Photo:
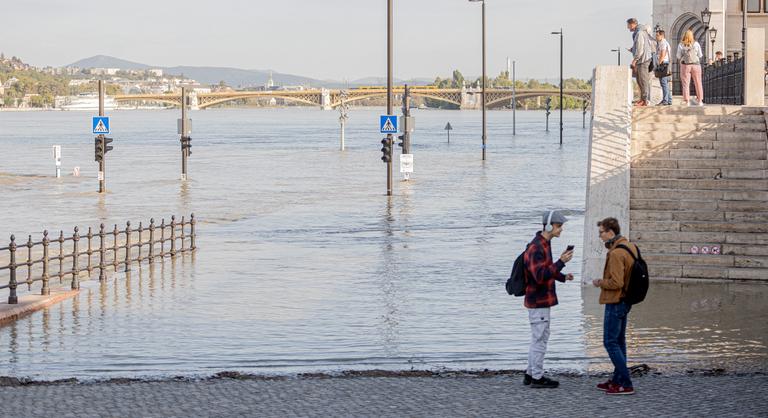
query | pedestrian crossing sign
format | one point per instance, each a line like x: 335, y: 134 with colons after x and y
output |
x: 100, y: 125
x: 388, y: 124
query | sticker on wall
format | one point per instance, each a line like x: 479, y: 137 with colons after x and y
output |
x: 694, y: 250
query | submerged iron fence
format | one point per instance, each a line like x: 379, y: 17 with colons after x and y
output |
x: 108, y: 249
x: 724, y: 82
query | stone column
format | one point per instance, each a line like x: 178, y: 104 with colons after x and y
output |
x: 609, y: 159
x: 754, y: 68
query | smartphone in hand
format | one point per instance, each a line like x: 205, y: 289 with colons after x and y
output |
x: 570, y: 248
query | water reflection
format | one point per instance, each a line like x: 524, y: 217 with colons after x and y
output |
x: 689, y: 326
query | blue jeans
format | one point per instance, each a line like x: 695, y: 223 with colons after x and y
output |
x: 614, y: 340
x: 666, y: 92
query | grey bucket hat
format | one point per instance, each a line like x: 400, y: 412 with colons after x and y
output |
x: 553, y: 217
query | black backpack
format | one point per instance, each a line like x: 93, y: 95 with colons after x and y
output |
x: 638, y: 279
x: 516, y: 281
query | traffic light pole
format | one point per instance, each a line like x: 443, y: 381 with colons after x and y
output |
x: 184, y: 138
x: 100, y: 139
x: 406, y: 115
x: 389, y: 92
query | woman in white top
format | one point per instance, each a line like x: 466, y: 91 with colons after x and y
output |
x: 689, y: 56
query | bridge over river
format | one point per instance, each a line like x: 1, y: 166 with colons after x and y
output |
x: 329, y: 99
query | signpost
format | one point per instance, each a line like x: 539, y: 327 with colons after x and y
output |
x: 406, y: 165
x: 448, y: 129
x: 185, y: 129
x: 57, y: 159
x: 388, y: 124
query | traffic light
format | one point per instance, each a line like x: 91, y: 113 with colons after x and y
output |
x: 386, y: 150
x: 401, y: 144
x: 98, y: 149
x: 549, y: 104
x: 107, y: 148
x: 186, y: 145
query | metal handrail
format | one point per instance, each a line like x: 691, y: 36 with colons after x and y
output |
x: 107, y: 252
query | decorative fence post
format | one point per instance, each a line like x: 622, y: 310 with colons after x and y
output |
x: 29, y: 263
x: 75, y: 260
x: 173, y: 235
x: 46, y: 290
x: 102, y: 276
x: 61, y: 256
x: 12, y: 298
x: 128, y: 246
x: 152, y: 240
x: 182, y: 234
x: 140, y: 243
x: 162, y: 238
x: 114, y: 247
x: 192, y: 232
x: 90, y: 250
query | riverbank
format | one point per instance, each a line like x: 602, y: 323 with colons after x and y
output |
x: 360, y: 395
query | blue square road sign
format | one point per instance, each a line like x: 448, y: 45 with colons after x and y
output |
x: 100, y: 125
x: 388, y: 124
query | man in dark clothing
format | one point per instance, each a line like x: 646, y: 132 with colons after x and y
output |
x: 540, y: 295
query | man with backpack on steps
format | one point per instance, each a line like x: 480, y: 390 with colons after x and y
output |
x: 540, y: 296
x: 624, y: 283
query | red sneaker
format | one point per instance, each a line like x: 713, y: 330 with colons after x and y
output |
x: 619, y: 390
x: 604, y: 386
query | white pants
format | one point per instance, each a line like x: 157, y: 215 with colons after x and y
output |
x: 539, y: 319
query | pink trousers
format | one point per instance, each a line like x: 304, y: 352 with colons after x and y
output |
x: 686, y: 71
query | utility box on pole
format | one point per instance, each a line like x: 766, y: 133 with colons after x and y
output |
x: 57, y: 159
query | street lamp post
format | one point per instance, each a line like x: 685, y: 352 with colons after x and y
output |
x: 618, y: 54
x: 712, y: 37
x: 743, y: 28
x: 706, y: 17
x: 514, y: 101
x: 561, y: 83
x: 389, y: 92
x: 484, y: 78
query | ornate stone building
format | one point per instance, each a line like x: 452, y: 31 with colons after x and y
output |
x: 677, y: 16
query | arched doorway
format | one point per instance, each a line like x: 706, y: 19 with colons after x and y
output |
x: 681, y: 25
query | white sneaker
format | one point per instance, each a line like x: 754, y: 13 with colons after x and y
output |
x: 701, y: 103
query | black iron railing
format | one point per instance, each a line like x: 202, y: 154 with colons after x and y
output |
x: 724, y: 82
x: 112, y: 249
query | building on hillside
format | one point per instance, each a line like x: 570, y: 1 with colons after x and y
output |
x: 677, y: 16
x: 155, y: 72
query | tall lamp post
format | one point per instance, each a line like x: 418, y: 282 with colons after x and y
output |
x: 618, y: 53
x: 712, y: 37
x: 484, y: 77
x: 743, y: 27
x: 561, y: 83
x: 514, y: 101
x: 706, y: 17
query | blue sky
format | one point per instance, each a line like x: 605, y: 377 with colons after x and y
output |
x: 329, y: 39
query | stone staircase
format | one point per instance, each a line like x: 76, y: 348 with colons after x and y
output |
x: 699, y: 191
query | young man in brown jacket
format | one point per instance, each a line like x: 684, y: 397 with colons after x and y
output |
x: 613, y: 286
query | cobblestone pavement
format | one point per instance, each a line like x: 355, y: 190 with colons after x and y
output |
x: 668, y: 396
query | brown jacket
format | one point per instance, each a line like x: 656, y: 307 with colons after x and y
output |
x: 618, y: 268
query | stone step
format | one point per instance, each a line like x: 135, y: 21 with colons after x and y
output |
x: 699, y: 163
x: 692, y: 154
x: 702, y: 216
x: 697, y: 226
x: 694, y: 184
x: 692, y: 127
x: 693, y: 194
x: 697, y: 173
x: 721, y: 238
x: 698, y: 205
x: 706, y: 272
x: 695, y: 118
x: 695, y: 110
x: 641, y: 145
x: 683, y: 248
x: 699, y: 135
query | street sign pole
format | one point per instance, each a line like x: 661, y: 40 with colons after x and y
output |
x: 514, y: 101
x: 102, y: 163
x: 389, y: 91
x: 183, y: 133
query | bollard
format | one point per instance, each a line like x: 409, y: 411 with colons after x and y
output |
x: 12, y: 298
x: 192, y: 232
x: 173, y: 235
x: 182, y: 234
x: 102, y: 276
x: 75, y: 259
x: 46, y: 290
x: 152, y: 240
x: 29, y: 263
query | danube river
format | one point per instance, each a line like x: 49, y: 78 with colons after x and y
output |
x: 305, y: 265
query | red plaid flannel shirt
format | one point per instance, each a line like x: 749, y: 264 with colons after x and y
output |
x: 540, y: 274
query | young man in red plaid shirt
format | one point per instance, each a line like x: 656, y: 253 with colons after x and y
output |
x: 540, y: 295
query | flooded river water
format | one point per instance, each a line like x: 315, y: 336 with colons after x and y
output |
x: 305, y: 265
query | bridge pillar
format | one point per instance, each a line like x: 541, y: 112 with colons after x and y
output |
x: 194, y: 104
x: 325, y: 99
x: 471, y: 98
